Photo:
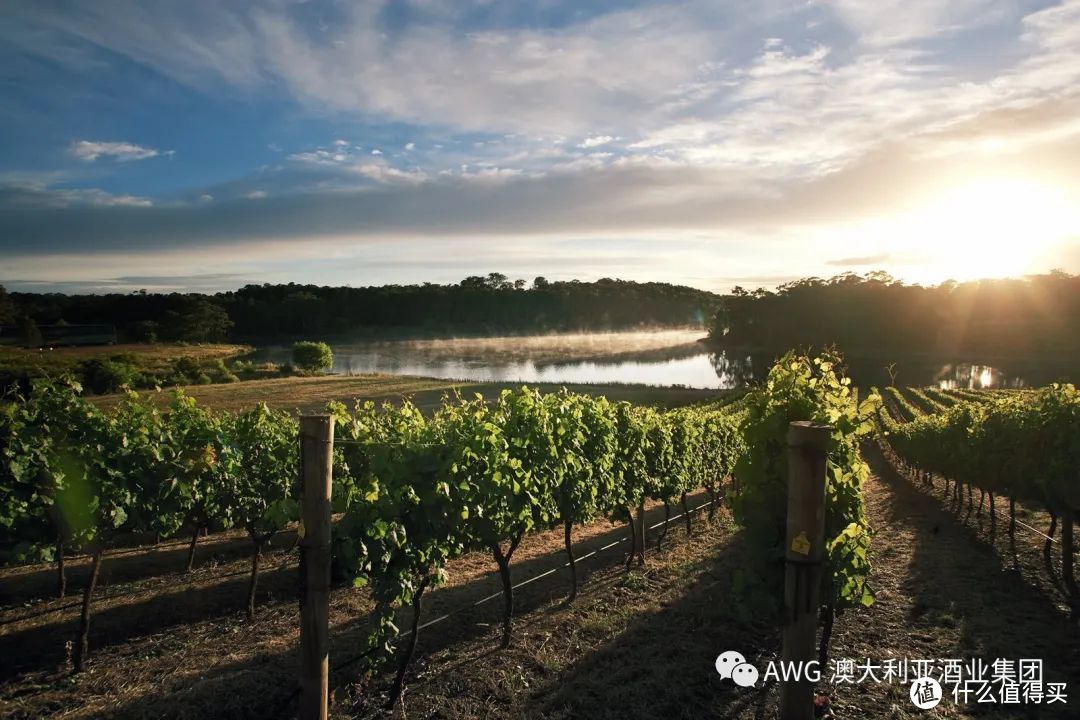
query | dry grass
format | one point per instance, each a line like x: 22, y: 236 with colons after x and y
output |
x: 149, y: 356
x: 307, y: 394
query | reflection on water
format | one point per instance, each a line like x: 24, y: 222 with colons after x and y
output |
x: 651, y: 358
x: 975, y: 377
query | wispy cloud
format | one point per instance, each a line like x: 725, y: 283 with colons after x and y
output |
x: 90, y: 151
x: 35, y: 196
x: 859, y: 260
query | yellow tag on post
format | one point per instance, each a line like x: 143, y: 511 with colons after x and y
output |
x: 800, y: 544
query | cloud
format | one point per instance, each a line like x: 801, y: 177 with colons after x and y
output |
x: 36, y: 196
x: 623, y: 197
x: 338, y: 168
x: 321, y: 156
x: 890, y: 22
x: 755, y: 120
x: 557, y: 78
x: 89, y: 151
x: 595, y: 141
x: 878, y: 259
x: 196, y: 282
x: 742, y: 83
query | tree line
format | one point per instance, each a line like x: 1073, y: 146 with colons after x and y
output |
x: 1032, y: 316
x: 478, y: 304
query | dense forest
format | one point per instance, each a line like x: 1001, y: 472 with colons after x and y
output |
x: 477, y: 305
x: 1035, y: 316
x: 874, y: 313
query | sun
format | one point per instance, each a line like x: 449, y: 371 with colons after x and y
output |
x: 996, y: 227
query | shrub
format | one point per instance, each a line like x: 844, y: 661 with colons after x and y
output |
x: 106, y: 376
x: 222, y: 373
x: 143, y: 331
x: 312, y: 356
x: 185, y: 370
x: 125, y: 357
x: 244, y: 368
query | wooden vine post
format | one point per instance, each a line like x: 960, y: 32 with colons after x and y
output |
x: 316, y: 461
x: 805, y: 548
x: 639, y: 531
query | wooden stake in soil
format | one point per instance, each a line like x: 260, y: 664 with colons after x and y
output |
x: 686, y: 516
x: 82, y: 646
x: 61, y: 578
x: 316, y: 460
x: 639, y: 528
x: 191, y: 549
x: 1068, y: 576
x: 567, y: 528
x: 805, y: 544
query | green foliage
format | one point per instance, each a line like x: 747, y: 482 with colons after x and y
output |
x: 30, y: 333
x: 584, y: 475
x: 905, y: 410
x: 417, y: 491
x: 197, y: 320
x: 312, y: 356
x: 799, y: 388
x: 67, y: 468
x: 1025, y: 445
x: 109, y: 375
x: 491, y: 304
x: 404, y: 523
x: 260, y: 485
x: 73, y: 472
x: 8, y: 311
x: 186, y: 369
x: 223, y: 374
x: 875, y: 312
x: 244, y: 368
x: 477, y: 475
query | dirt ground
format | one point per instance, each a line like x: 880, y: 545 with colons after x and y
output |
x: 643, y: 645
x: 949, y: 584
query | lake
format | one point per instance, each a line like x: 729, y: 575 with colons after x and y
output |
x: 661, y: 358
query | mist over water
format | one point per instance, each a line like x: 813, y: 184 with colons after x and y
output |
x: 660, y: 358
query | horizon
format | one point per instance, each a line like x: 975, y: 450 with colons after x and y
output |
x: 203, y: 148
x: 529, y: 284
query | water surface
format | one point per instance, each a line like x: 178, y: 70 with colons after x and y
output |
x: 662, y: 358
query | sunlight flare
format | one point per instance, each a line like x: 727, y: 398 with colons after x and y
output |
x: 989, y: 228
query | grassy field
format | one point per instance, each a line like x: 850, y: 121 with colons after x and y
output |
x: 152, y: 357
x: 308, y: 394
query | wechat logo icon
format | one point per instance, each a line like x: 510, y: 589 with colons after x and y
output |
x: 732, y: 665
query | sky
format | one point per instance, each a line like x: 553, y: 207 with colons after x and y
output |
x: 200, y: 146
